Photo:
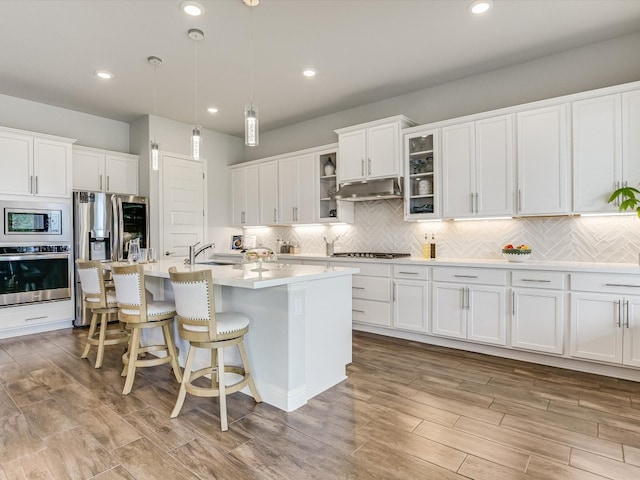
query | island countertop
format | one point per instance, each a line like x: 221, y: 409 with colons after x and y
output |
x: 246, y: 276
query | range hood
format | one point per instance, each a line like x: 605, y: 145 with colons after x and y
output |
x: 370, y: 190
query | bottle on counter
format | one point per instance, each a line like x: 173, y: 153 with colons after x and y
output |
x: 432, y: 247
x: 278, y: 245
x: 426, y: 247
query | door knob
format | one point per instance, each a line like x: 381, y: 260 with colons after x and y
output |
x: 167, y: 253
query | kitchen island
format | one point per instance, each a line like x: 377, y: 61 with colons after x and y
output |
x: 299, y: 341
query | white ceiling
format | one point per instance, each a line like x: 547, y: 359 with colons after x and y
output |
x: 364, y: 51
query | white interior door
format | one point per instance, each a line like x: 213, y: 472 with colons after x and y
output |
x: 183, y: 206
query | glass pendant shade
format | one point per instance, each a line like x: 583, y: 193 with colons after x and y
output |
x: 251, y: 125
x: 154, y: 155
x: 196, y: 141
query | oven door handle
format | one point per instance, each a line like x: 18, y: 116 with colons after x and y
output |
x: 33, y: 256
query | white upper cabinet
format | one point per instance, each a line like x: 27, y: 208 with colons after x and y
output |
x: 606, y: 149
x: 371, y: 150
x: 104, y: 171
x: 297, y: 189
x: 268, y: 193
x: 34, y: 165
x: 244, y: 197
x: 477, y: 165
x: 543, y: 161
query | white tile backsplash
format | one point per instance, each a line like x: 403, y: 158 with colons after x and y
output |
x: 380, y: 226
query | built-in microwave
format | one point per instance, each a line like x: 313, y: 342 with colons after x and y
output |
x: 35, y: 222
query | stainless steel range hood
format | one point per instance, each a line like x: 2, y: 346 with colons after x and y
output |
x: 370, y: 190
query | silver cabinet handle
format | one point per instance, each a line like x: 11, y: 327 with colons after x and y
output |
x: 518, y: 206
x: 535, y: 280
x: 619, y: 313
x: 621, y: 285
x: 100, y: 182
x: 362, y: 167
x: 463, y: 307
x: 466, y: 276
x: 36, y: 189
x: 513, y: 303
x: 107, y: 183
x: 357, y: 311
x: 369, y: 169
x: 243, y: 216
x: 471, y: 201
x: 626, y: 307
x: 31, y: 184
x: 409, y: 273
x: 468, y: 299
x: 357, y: 288
x: 477, y: 202
x: 275, y: 215
x: 31, y: 319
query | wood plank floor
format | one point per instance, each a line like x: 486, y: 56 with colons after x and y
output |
x: 407, y: 411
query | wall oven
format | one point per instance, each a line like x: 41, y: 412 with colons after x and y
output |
x: 36, y: 264
x: 34, y: 273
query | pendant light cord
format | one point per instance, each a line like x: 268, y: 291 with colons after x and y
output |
x: 195, y: 81
x: 251, y: 54
x: 155, y: 69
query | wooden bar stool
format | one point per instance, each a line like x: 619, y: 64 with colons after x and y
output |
x: 202, y: 327
x: 139, y: 314
x: 103, y: 305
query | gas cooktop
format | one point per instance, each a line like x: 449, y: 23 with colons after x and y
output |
x: 371, y: 255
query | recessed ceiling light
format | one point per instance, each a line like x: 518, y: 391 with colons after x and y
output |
x: 212, y: 110
x: 194, y: 9
x: 480, y: 6
x: 104, y: 74
x: 309, y: 72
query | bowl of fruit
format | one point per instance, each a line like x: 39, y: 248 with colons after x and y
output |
x: 518, y: 253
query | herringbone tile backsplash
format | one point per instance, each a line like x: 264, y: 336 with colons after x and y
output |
x: 380, y: 226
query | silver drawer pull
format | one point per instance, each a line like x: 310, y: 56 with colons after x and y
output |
x: 621, y: 285
x: 35, y: 318
x: 535, y: 280
x: 408, y: 273
x: 466, y: 276
x: 358, y: 288
x: 358, y: 311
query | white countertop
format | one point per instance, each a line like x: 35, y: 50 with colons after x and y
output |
x: 244, y: 276
x: 587, y: 267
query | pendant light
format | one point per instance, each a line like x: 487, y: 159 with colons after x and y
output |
x: 155, y: 62
x: 251, y: 132
x: 196, y: 140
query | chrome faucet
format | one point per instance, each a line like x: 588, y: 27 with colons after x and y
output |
x: 194, y: 252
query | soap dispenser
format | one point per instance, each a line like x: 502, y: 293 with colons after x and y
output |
x: 432, y: 247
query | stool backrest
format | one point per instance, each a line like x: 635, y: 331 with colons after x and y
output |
x: 193, y: 294
x: 92, y: 283
x: 130, y: 292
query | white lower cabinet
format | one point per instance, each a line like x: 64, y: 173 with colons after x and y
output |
x: 605, y: 318
x: 470, y: 304
x: 538, y: 310
x: 411, y: 298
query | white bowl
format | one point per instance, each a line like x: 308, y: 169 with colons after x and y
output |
x: 516, y: 257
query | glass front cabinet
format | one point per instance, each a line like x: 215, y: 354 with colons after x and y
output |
x: 421, y: 174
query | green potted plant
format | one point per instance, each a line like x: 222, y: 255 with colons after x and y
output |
x: 629, y: 198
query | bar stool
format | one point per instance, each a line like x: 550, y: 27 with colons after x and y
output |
x: 102, y: 303
x: 138, y: 314
x: 202, y: 327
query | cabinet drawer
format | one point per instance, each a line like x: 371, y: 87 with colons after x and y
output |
x: 470, y: 275
x: 608, y: 283
x: 411, y: 272
x: 369, y: 269
x: 370, y: 311
x: 36, y: 314
x: 538, y: 279
x: 371, y: 288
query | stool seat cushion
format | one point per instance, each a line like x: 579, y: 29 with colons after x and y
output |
x: 226, y: 322
x: 153, y: 308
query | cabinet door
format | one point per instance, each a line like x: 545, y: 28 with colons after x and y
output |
x: 121, y: 174
x: 352, y: 146
x: 458, y: 175
x: 486, y: 320
x: 288, y: 189
x: 238, y: 196
x: 543, y: 182
x: 252, y: 203
x: 383, y: 151
x: 596, y: 332
x: 307, y: 186
x: 411, y: 305
x: 537, y: 320
x: 449, y: 317
x: 597, y: 153
x: 52, y: 168
x: 631, y: 138
x: 268, y: 193
x: 494, y: 166
x: 632, y: 331
x: 16, y: 163
x: 88, y: 168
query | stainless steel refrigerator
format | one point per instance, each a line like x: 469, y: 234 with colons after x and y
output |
x: 103, y: 226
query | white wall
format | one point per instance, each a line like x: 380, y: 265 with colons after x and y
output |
x: 89, y: 130
x: 599, y: 65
